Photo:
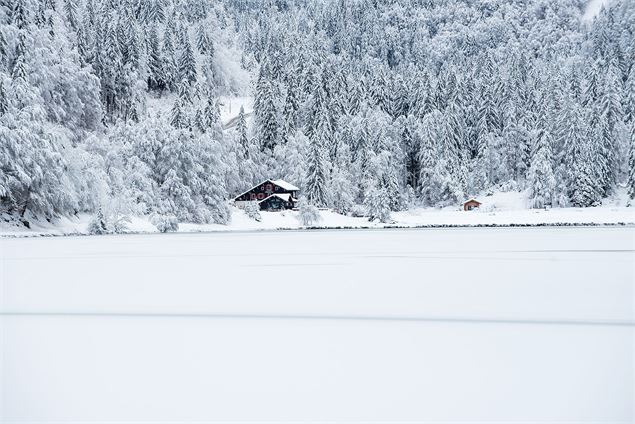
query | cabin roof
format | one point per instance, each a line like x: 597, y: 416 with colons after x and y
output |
x: 281, y: 183
x: 285, y: 185
x: 284, y: 196
x: 472, y: 200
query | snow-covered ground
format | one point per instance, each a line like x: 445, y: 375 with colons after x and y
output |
x: 593, y: 8
x: 229, y: 106
x: 418, y: 325
x: 501, y: 208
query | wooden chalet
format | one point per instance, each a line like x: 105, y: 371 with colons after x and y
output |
x: 270, y: 195
x: 471, y: 204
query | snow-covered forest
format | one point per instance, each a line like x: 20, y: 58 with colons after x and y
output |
x: 112, y: 107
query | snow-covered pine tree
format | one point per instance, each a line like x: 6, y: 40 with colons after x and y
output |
x: 4, y: 101
x: 98, y: 225
x: 611, y: 114
x: 180, y: 117
x: 584, y: 189
x: 3, y: 53
x: 168, y: 56
x: 411, y: 148
x: 518, y: 151
x: 629, y: 98
x: 341, y: 185
x: 19, y: 14
x: 252, y: 210
x: 155, y: 11
x: 156, y: 75
x: 290, y: 110
x: 377, y: 199
x: 309, y: 214
x: 243, y: 138
x: 631, y: 164
x: 427, y: 135
x: 481, y: 175
x: 540, y: 175
x: 211, y: 118
x: 71, y: 13
x: 266, y: 112
x: 316, y: 177
x: 19, y: 72
x: 187, y: 63
x: 204, y: 42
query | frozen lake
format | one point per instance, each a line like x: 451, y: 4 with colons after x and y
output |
x: 462, y: 325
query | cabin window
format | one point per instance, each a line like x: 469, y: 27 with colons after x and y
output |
x: 253, y: 196
x: 269, y: 187
x: 261, y: 196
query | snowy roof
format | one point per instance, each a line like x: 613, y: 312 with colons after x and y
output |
x: 472, y: 200
x: 285, y: 196
x: 285, y: 185
x: 281, y: 183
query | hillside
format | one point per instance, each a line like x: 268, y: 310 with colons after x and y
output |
x: 132, y: 108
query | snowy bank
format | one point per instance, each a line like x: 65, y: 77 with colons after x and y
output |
x: 499, y: 209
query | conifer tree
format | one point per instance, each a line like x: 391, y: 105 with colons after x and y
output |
x: 49, y: 4
x: 212, y: 119
x: 204, y: 42
x: 481, y: 174
x: 611, y: 114
x: 3, y: 52
x: 291, y: 110
x: 409, y: 145
x: 584, y: 191
x: 319, y: 120
x: 243, y: 139
x: 155, y: 11
x: 266, y: 116
x: 428, y: 134
x: 39, y: 18
x: 98, y: 224
x: 71, y: 14
x: 342, y: 184
x: 168, y: 56
x: 592, y: 88
x: 19, y: 14
x: 156, y: 77
x: 4, y: 102
x: 315, y: 180
x: 180, y: 117
x: 629, y: 86
x: 541, y: 178
x: 631, y: 165
x: 377, y: 199
x: 187, y: 62
x: 82, y: 46
x: 19, y: 72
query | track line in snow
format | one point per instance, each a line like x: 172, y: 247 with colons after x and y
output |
x: 426, y: 254
x: 300, y: 317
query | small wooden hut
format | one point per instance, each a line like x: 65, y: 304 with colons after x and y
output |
x: 471, y: 204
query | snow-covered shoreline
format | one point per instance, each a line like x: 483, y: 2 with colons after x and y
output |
x: 288, y: 221
x: 502, y: 209
x: 34, y: 234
